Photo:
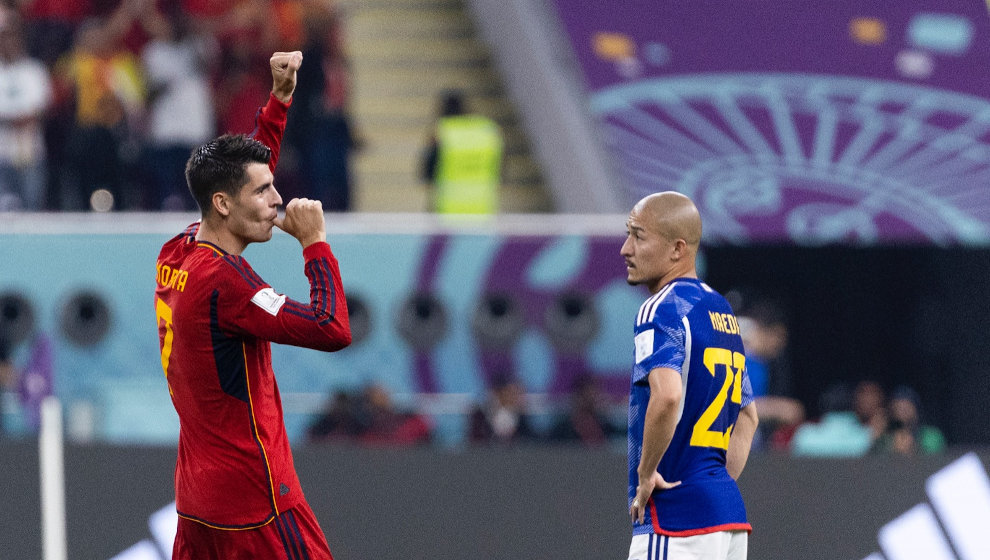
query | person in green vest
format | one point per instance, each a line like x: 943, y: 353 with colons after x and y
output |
x: 463, y: 160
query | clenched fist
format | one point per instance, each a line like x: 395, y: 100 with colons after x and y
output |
x: 304, y: 221
x: 284, y: 68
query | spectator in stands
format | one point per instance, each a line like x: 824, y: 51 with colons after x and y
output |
x: 178, y: 62
x: 905, y: 433
x: 322, y: 135
x: 870, y: 406
x: 339, y: 421
x: 838, y: 433
x: 463, y: 160
x: 503, y: 417
x: 104, y: 82
x: 586, y: 421
x: 763, y: 326
x: 246, y: 37
x: 8, y: 376
x: 384, y: 424
x: 370, y: 418
x: 25, y: 94
x: 51, y: 25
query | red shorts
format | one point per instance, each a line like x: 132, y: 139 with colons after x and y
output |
x: 293, y: 535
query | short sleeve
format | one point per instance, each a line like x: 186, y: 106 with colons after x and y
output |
x: 747, y: 389
x: 660, y: 343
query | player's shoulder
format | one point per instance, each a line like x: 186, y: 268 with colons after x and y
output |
x: 674, y: 301
x: 177, y: 246
x: 207, y: 260
x: 235, y: 272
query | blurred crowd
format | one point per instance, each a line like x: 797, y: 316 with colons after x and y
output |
x: 852, y: 418
x: 101, y: 101
x: 503, y: 417
x: 855, y: 418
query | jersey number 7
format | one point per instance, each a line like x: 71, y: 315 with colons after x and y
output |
x: 164, y: 314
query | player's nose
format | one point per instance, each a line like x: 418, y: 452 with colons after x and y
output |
x: 626, y: 249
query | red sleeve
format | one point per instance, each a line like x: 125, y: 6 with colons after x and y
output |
x: 255, y: 309
x: 269, y: 126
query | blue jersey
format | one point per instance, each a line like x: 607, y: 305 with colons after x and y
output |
x: 690, y: 328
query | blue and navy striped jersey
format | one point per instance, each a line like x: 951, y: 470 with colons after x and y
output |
x: 690, y: 328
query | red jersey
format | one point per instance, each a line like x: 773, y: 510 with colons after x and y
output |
x: 216, y: 319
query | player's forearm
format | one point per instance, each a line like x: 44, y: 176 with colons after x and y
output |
x: 320, y: 324
x: 658, y: 429
x: 327, y: 298
x: 741, y: 441
x: 270, y: 126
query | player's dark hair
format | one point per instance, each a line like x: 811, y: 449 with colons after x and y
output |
x: 220, y: 166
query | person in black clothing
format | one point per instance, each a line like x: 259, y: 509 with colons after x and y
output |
x: 585, y: 422
x: 321, y: 133
x: 503, y: 417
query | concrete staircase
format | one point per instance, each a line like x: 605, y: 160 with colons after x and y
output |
x: 404, y: 54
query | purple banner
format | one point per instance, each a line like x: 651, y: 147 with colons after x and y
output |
x: 830, y: 122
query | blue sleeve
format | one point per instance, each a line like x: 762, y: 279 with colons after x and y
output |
x: 747, y: 389
x: 660, y: 343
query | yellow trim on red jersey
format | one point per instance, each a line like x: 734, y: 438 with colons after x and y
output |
x: 246, y: 528
x: 210, y: 247
x: 254, y: 428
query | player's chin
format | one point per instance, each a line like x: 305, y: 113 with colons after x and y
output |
x: 264, y: 234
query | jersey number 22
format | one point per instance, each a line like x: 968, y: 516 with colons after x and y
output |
x: 735, y: 363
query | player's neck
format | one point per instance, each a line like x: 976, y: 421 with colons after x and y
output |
x: 215, y: 233
x: 687, y: 272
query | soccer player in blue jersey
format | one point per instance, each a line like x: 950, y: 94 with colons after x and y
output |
x: 691, y: 411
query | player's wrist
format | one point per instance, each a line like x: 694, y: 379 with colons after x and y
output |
x: 311, y: 240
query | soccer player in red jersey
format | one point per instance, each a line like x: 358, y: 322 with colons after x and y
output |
x: 237, y: 493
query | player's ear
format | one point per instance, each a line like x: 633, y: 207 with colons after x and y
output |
x: 221, y: 203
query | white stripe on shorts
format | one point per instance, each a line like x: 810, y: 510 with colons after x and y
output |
x: 723, y: 545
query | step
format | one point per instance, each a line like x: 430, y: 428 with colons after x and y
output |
x: 417, y: 198
x: 406, y: 161
x: 378, y: 82
x: 379, y: 23
x: 520, y: 168
x: 382, y: 126
x: 403, y: 166
x: 401, y: 198
x: 423, y: 109
x: 418, y: 51
x: 404, y: 55
x: 518, y: 199
x: 351, y: 6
